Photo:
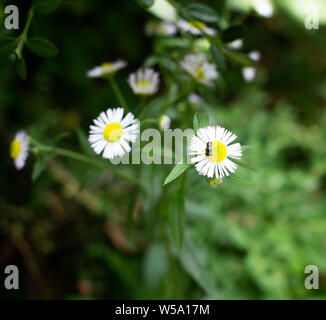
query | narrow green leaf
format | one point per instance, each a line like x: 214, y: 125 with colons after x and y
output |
x: 42, y: 47
x: 196, y: 123
x: 145, y: 3
x: 7, y: 48
x: 238, y: 58
x: 176, y: 218
x: 202, y: 12
x: 21, y: 67
x: 178, y: 169
x: 46, y: 6
x: 40, y: 165
x: 218, y: 58
x: 233, y: 33
x: 243, y: 165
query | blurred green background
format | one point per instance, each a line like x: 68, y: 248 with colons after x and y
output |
x: 79, y: 233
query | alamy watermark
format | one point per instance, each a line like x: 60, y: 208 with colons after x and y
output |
x: 12, y: 277
x: 312, y: 280
x: 312, y: 18
x: 12, y: 18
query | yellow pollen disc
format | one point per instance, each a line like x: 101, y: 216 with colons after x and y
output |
x: 197, y: 24
x: 200, y: 73
x: 143, y: 83
x: 218, y: 152
x: 106, y: 66
x: 15, y: 149
x: 113, y: 132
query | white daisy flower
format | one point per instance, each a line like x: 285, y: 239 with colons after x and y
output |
x: 236, y: 44
x: 159, y: 28
x: 249, y: 73
x: 198, y: 67
x: 211, y: 150
x: 195, y: 27
x: 263, y: 8
x: 112, y: 133
x: 144, y: 81
x: 106, y: 68
x: 164, y: 122
x: 19, y: 149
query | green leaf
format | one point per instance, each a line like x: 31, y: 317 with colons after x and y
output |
x: 40, y: 165
x: 46, y: 6
x: 218, y: 58
x: 176, y: 218
x: 232, y: 33
x: 202, y: 12
x: 42, y: 47
x: 21, y: 67
x: 145, y: 3
x: 196, y: 123
x: 7, y: 48
x: 178, y: 169
x: 194, y: 262
x: 238, y: 58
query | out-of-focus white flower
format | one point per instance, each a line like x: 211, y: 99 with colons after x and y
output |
x: 211, y: 151
x: 164, y: 122
x: 195, y: 27
x: 106, y: 68
x: 19, y: 149
x: 249, y: 73
x: 263, y: 8
x: 144, y: 81
x: 195, y: 98
x: 112, y: 133
x: 159, y: 28
x: 199, y: 68
x: 236, y: 44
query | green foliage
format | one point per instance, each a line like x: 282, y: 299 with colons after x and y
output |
x: 202, y: 12
x: 42, y: 47
x: 46, y: 6
x: 92, y: 233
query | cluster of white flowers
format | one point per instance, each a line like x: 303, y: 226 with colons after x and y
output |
x: 199, y: 68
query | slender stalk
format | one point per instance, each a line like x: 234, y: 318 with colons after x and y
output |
x: 118, y: 93
x: 23, y: 37
x: 82, y: 158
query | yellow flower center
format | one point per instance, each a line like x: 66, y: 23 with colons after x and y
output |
x: 113, y: 132
x: 200, y: 73
x: 143, y: 83
x: 218, y: 152
x: 106, y: 66
x: 15, y: 149
x: 197, y: 24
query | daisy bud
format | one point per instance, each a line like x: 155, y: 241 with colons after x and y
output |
x: 214, y: 182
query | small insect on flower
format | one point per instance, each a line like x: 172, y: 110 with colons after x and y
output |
x: 112, y: 133
x: 249, y: 73
x: 199, y: 68
x: 144, y: 81
x: 211, y: 149
x: 161, y: 29
x: 106, y: 68
x: 19, y: 149
x: 195, y: 27
x: 208, y: 150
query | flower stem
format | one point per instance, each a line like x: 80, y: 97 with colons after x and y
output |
x: 118, y: 93
x: 82, y: 158
x: 23, y: 37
